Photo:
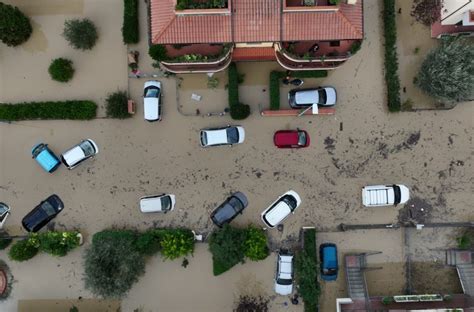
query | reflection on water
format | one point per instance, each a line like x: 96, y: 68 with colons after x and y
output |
x: 37, y: 41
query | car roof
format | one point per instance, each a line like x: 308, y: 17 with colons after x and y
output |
x: 307, y: 96
x: 277, y: 213
x: 150, y: 110
x: 151, y: 204
x: 47, y: 159
x: 74, y: 155
x: 224, y: 212
x: 330, y: 256
x: 216, y: 136
x: 283, y: 138
x: 285, y: 266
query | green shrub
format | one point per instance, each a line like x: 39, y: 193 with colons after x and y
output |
x: 391, y: 59
x: 5, y: 240
x: 130, y: 29
x: 255, y: 244
x: 23, y: 250
x: 81, y: 34
x: 149, y: 243
x: 238, y: 111
x: 15, y: 27
x: 158, y: 52
x: 226, y: 246
x: 113, y: 263
x: 176, y: 243
x: 387, y: 300
x: 61, y: 70
x: 196, y: 4
x: 57, y: 243
x: 117, y: 105
x: 306, y: 271
x: 355, y: 47
x: 75, y: 110
x: 466, y: 240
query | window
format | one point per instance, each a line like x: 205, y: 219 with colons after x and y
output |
x: 334, y: 43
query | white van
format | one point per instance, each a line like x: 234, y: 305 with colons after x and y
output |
x: 385, y: 195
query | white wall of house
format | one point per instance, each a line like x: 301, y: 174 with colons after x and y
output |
x: 454, y: 11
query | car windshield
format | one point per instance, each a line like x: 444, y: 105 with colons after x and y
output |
x: 322, y: 96
x: 48, y: 209
x: 232, y: 135
x: 152, y: 92
x: 203, y: 138
x: 290, y: 201
x: 284, y: 281
x: 87, y: 148
x: 396, y: 191
x: 234, y: 202
x: 301, y: 138
x: 329, y: 271
x: 165, y: 203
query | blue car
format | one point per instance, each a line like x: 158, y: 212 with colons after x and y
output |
x: 45, y: 157
x: 328, y: 259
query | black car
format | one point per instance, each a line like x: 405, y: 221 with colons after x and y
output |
x: 229, y: 209
x: 47, y: 210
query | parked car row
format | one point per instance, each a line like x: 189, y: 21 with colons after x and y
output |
x: 71, y: 158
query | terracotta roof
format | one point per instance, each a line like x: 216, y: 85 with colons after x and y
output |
x: 253, y: 54
x: 253, y: 21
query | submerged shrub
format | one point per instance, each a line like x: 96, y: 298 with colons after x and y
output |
x: 15, y: 27
x: 61, y: 70
x: 80, y: 33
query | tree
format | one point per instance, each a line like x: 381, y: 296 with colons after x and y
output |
x: 81, y: 34
x: 15, y: 27
x: 112, y: 263
x: 447, y: 73
x: 226, y: 246
x: 426, y: 11
x: 61, y: 70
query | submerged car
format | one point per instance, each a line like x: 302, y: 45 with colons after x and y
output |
x: 385, y: 195
x: 284, y: 274
x: 291, y: 139
x: 46, y: 211
x: 77, y: 154
x: 302, y: 98
x: 152, y: 100
x: 45, y: 157
x: 279, y: 210
x: 157, y: 203
x: 328, y: 260
x: 228, y: 135
x: 229, y: 209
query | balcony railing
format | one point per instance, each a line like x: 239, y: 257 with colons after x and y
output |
x: 294, y: 62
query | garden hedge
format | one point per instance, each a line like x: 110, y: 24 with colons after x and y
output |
x: 74, y: 110
x: 275, y: 77
x: 391, y: 59
x: 238, y: 110
x: 130, y: 29
x: 306, y: 270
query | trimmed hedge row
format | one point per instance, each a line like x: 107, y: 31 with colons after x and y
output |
x: 238, y: 110
x: 391, y: 59
x: 130, y: 32
x: 275, y: 77
x: 307, y: 271
x: 75, y: 110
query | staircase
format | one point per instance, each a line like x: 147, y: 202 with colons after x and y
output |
x: 356, y: 285
x: 466, y: 277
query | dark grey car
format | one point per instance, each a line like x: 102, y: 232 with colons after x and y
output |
x: 229, y: 209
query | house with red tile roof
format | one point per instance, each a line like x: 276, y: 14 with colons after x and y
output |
x: 298, y: 34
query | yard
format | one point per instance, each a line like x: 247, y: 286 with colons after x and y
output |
x: 361, y: 144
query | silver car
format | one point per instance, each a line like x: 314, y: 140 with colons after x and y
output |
x: 78, y: 153
x: 228, y: 135
x: 323, y: 96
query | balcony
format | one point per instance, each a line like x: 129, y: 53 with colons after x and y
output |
x: 197, y: 58
x: 308, y: 5
x: 192, y: 7
x: 313, y: 55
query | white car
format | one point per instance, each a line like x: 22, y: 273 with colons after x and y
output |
x: 77, y: 154
x: 284, y: 274
x: 385, y: 195
x: 285, y: 205
x: 152, y: 100
x: 323, y: 96
x: 157, y: 203
x: 228, y: 135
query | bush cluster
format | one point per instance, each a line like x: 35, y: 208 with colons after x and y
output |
x: 275, y: 77
x: 15, y: 27
x: 61, y: 70
x: 54, y: 243
x: 391, y: 59
x: 116, y: 258
x: 130, y: 29
x: 75, y: 110
x: 117, y: 105
x: 238, y: 111
x: 158, y: 53
x: 306, y: 271
x: 230, y: 246
x: 80, y: 33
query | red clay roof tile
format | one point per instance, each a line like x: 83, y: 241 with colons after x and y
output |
x: 253, y: 54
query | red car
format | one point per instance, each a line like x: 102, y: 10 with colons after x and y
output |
x: 291, y: 139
